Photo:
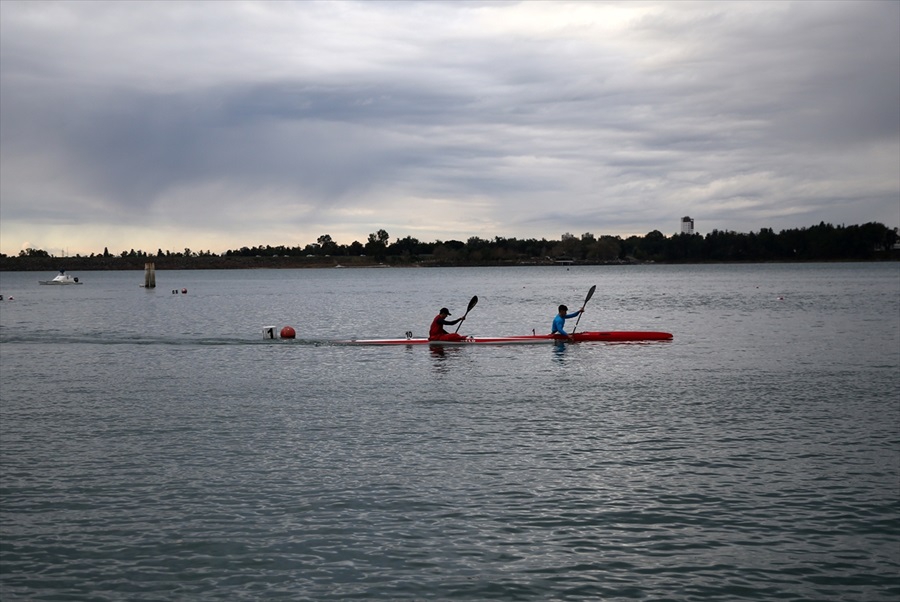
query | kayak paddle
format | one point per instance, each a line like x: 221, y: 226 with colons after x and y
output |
x: 472, y: 303
x: 586, y: 299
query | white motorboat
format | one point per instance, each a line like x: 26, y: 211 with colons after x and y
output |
x: 61, y: 278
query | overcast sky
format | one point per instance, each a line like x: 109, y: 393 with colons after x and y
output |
x: 148, y: 125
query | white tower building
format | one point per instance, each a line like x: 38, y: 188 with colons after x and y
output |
x: 687, y: 225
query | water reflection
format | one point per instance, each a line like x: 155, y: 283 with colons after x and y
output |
x: 559, y: 350
x: 442, y: 355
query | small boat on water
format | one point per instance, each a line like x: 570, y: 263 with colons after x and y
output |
x: 610, y: 336
x: 578, y: 337
x: 61, y: 278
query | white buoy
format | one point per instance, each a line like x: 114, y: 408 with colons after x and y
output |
x: 269, y: 332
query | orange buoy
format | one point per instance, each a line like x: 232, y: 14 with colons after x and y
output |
x: 184, y: 291
x: 288, y: 333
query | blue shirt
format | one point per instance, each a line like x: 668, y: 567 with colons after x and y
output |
x: 560, y: 321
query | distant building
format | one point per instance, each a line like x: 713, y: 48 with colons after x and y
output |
x: 687, y: 225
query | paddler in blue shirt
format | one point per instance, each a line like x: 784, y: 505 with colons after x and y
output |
x: 559, y: 321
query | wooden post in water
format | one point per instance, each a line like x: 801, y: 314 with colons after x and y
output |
x: 149, y: 275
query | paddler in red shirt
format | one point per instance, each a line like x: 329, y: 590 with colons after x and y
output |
x: 437, y: 332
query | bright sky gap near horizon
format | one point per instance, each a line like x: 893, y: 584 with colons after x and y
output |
x: 217, y: 125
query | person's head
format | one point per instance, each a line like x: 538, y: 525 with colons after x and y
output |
x: 562, y: 310
x: 444, y: 311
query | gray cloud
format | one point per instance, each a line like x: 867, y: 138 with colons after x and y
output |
x: 221, y: 123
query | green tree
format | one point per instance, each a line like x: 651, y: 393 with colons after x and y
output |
x: 377, y: 244
x: 30, y: 252
x: 328, y: 246
x: 653, y: 245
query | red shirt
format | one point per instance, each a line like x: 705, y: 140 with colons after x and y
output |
x: 437, y: 327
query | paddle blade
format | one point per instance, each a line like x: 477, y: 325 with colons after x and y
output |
x: 586, y: 299
x: 472, y: 303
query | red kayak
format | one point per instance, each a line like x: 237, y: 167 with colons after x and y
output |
x: 579, y: 337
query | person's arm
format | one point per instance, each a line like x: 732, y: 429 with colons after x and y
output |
x: 452, y: 322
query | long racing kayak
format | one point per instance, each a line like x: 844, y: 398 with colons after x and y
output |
x: 578, y: 337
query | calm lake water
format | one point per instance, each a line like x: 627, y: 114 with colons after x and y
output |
x: 154, y: 446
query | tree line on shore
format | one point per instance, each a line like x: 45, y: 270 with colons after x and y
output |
x: 823, y: 242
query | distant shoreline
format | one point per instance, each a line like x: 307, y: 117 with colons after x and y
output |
x: 867, y: 242
x: 54, y: 264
